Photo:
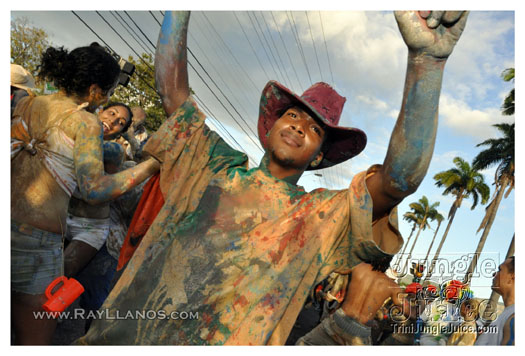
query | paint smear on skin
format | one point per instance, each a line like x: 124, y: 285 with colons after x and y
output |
x: 166, y: 29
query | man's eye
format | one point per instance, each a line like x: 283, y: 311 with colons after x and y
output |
x: 317, y: 130
x: 292, y: 115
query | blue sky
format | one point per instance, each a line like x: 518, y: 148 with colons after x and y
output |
x: 363, y: 56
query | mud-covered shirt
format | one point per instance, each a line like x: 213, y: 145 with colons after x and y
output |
x: 234, y: 252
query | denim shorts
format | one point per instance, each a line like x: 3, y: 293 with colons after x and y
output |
x: 36, y: 258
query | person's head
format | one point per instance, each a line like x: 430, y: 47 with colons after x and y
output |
x: 139, y: 116
x: 470, y: 309
x: 21, y: 78
x: 296, y: 139
x: 301, y: 132
x: 116, y: 118
x: 503, y: 281
x: 89, y: 74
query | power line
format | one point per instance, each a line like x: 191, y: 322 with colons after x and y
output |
x: 134, y: 35
x: 262, y: 44
x: 96, y: 34
x: 205, y: 83
x: 326, y: 48
x: 276, y: 50
x: 107, y: 45
x: 123, y: 40
x: 313, y: 43
x: 249, y: 42
x: 269, y: 47
x: 217, y: 72
x: 230, y: 51
x: 216, y: 47
x: 211, y: 79
x: 286, y: 50
x: 299, y: 45
x: 140, y: 29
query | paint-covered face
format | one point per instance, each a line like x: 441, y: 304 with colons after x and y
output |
x: 503, y: 278
x: 295, y: 140
x: 113, y: 119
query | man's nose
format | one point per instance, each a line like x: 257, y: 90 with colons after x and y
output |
x: 298, y: 127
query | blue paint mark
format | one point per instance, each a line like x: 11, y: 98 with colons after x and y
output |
x: 166, y: 29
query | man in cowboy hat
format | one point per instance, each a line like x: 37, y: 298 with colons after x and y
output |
x: 22, y: 83
x: 233, y: 253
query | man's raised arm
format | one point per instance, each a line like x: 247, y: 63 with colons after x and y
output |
x: 171, y: 65
x: 430, y: 37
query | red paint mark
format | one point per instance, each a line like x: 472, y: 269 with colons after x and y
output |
x: 258, y: 233
x: 207, y: 318
x: 269, y: 300
x: 238, y: 281
x: 242, y: 301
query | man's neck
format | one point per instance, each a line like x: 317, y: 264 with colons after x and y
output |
x: 288, y: 175
x: 508, y: 299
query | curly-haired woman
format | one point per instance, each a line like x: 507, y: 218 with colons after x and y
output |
x: 56, y: 146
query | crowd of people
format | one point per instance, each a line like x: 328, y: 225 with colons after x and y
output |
x: 174, y: 221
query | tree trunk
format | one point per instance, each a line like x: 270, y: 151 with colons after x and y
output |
x: 438, y: 251
x: 432, y: 243
x: 415, y: 240
x: 494, y: 297
x: 490, y: 219
x: 405, y: 247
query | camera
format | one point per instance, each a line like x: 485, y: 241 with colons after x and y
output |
x: 126, y: 68
x: 126, y: 71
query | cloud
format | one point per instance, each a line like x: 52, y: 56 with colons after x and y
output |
x: 477, y: 123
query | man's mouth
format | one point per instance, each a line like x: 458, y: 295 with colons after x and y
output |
x: 105, y: 126
x: 291, y: 139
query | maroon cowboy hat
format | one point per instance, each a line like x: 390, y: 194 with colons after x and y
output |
x: 323, y: 103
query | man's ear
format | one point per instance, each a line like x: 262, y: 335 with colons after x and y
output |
x: 317, y: 160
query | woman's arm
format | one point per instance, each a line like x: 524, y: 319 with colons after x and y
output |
x: 94, y: 186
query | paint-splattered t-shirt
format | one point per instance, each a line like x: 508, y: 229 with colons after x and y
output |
x: 234, y: 252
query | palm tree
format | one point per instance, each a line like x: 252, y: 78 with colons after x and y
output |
x: 428, y: 211
x: 500, y: 152
x: 508, y: 103
x: 463, y: 182
x: 439, y: 218
x: 415, y: 219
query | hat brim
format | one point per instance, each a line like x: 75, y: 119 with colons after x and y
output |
x: 20, y: 86
x: 344, y: 142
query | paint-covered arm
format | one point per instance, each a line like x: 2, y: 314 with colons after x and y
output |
x: 94, y: 186
x: 171, y: 64
x: 430, y: 38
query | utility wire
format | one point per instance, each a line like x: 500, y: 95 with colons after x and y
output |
x: 262, y: 44
x: 230, y: 51
x: 205, y: 83
x: 269, y: 47
x: 251, y: 46
x: 326, y: 48
x: 299, y: 45
x: 107, y: 45
x: 276, y: 50
x: 216, y: 97
x: 218, y: 73
x: 96, y: 34
x: 123, y: 40
x: 286, y: 50
x: 128, y: 29
x: 140, y: 29
x: 313, y: 43
x: 215, y: 45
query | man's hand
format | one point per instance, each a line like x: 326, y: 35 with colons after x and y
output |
x: 367, y: 291
x: 432, y: 33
